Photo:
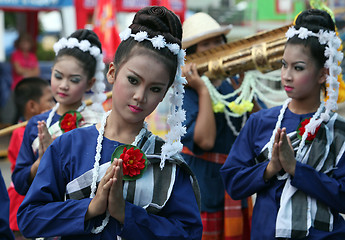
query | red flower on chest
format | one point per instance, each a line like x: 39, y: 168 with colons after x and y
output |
x: 134, y: 161
x: 70, y: 120
x: 301, y: 130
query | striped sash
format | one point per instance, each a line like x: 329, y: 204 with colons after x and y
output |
x: 299, y: 212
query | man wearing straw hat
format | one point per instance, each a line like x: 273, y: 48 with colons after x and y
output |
x: 211, y: 133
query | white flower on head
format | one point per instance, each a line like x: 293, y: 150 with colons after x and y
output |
x: 141, y: 36
x: 84, y: 45
x: 323, y: 37
x: 181, y: 57
x: 336, y: 42
x: 158, y: 42
x: 339, y: 56
x: 328, y: 63
x: 100, y: 64
x: 72, y: 42
x: 329, y: 51
x: 59, y: 45
x: 174, y: 48
x: 125, y: 34
x: 303, y: 33
x: 95, y: 51
x: 290, y: 32
x: 335, y: 70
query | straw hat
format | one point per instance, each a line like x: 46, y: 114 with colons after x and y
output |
x: 199, y: 27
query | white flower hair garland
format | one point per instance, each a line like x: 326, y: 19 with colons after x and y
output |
x: 177, y: 115
x: 332, y: 42
x: 98, y: 96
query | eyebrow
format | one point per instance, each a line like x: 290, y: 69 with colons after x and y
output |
x: 283, y: 60
x: 72, y: 75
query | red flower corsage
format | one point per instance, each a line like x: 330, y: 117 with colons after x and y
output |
x: 70, y: 120
x: 134, y: 161
x: 301, y: 130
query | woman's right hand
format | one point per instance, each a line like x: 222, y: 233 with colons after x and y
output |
x: 99, y: 203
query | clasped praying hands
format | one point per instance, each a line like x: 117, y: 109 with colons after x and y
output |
x: 283, y: 156
x: 109, y: 195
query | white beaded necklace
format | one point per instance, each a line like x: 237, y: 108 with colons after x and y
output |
x: 95, y: 170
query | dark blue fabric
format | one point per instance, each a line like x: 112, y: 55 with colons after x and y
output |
x: 243, y: 177
x: 5, y: 231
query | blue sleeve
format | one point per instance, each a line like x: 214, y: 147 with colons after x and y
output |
x: 25, y: 159
x: 44, y: 211
x: 5, y: 231
x: 329, y: 190
x: 241, y: 175
x: 179, y: 219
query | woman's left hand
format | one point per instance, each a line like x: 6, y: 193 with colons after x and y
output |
x: 116, y: 203
x: 286, y: 153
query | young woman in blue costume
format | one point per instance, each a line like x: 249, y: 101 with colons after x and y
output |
x: 292, y: 156
x: 211, y: 134
x: 79, y: 194
x: 78, y: 68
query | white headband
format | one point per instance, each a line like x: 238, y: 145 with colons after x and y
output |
x: 177, y: 114
x: 99, y: 86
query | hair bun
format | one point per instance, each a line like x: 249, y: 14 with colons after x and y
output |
x: 86, y: 34
x: 314, y: 20
x: 157, y: 11
x: 158, y: 20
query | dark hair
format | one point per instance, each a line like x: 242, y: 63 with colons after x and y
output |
x: 192, y: 49
x: 88, y: 62
x: 24, y: 37
x: 28, y: 89
x: 155, y: 20
x: 313, y: 20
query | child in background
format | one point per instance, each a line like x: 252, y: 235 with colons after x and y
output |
x: 32, y: 96
x: 78, y: 68
x: 292, y: 156
x: 23, y: 59
x: 79, y: 194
